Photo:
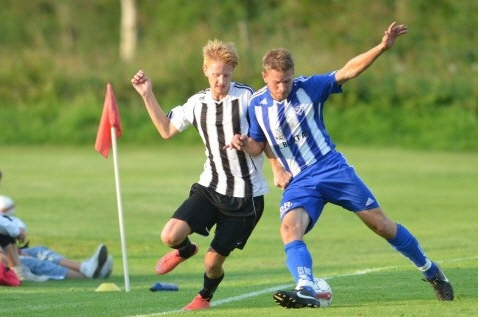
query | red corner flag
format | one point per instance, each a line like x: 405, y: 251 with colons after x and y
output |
x: 110, y: 118
x: 108, y: 133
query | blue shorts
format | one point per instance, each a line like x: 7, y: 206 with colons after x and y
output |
x: 330, y: 180
x: 43, y: 261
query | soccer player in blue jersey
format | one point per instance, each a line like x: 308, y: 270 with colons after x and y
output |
x: 229, y: 193
x: 287, y: 113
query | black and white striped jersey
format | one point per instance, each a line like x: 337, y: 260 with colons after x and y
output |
x: 228, y: 172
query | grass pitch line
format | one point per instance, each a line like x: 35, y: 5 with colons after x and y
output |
x: 263, y: 291
x: 277, y: 288
x: 284, y: 286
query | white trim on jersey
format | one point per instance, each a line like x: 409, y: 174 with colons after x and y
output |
x: 295, y: 127
x: 228, y: 172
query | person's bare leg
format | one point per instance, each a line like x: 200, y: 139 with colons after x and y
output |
x: 70, y: 264
x: 214, y: 264
x: 74, y: 274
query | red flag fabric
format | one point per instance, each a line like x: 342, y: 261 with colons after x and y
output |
x: 110, y: 118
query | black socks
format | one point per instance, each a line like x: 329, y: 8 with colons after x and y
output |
x: 185, y: 248
x: 210, y: 286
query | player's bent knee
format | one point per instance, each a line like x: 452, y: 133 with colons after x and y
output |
x: 291, y: 232
x: 175, y: 232
x: 169, y: 238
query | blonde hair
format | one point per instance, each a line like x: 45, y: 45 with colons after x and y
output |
x: 278, y: 59
x: 217, y: 50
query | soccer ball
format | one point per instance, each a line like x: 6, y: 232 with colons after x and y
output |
x: 323, y: 291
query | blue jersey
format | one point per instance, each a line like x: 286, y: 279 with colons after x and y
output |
x: 294, y: 127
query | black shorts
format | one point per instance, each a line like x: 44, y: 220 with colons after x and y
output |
x: 234, y: 218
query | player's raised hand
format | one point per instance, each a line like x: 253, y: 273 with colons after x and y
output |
x: 392, y: 33
x: 141, y: 83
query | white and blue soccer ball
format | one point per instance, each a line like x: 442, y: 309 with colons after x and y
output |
x: 323, y: 291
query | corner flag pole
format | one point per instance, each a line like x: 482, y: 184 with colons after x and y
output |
x: 119, y: 208
x: 109, y: 130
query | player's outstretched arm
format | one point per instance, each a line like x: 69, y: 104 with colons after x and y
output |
x: 360, y: 63
x: 142, y: 84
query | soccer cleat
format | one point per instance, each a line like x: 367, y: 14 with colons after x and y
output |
x: 91, y: 268
x: 442, y: 286
x: 198, y: 303
x: 170, y: 260
x: 299, y: 298
x: 24, y: 274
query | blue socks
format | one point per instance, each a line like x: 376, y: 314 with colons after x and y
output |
x: 299, y: 260
x: 405, y: 243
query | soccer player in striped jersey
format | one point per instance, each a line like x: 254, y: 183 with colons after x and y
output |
x: 288, y: 114
x: 229, y: 193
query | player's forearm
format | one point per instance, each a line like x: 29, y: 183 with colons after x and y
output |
x: 252, y: 147
x: 359, y: 64
x: 162, y: 123
x: 281, y: 177
x: 275, y: 164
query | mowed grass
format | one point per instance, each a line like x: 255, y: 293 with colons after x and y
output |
x: 66, y: 195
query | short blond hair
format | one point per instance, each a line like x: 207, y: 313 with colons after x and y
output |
x: 217, y: 50
x: 279, y: 59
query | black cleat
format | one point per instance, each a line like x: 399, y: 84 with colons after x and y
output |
x: 442, y: 286
x: 303, y: 297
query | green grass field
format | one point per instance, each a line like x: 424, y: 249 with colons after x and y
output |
x: 66, y: 195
